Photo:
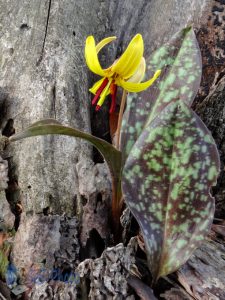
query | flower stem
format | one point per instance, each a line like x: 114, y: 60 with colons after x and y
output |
x: 119, y: 124
x: 116, y: 209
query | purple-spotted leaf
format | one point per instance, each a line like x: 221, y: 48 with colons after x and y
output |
x: 166, y: 184
x: 180, y: 62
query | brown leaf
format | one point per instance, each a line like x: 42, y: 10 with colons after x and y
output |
x: 141, y: 242
x: 220, y: 229
x: 142, y: 290
x: 176, y: 294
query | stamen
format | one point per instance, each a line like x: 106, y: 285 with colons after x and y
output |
x: 99, y: 91
x: 104, y: 93
x: 97, y: 108
x: 113, y: 90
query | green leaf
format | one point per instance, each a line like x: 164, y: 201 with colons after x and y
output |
x: 110, y: 154
x: 166, y: 184
x: 180, y: 62
x: 51, y: 126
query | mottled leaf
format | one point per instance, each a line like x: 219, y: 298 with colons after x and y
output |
x: 166, y: 184
x: 180, y: 62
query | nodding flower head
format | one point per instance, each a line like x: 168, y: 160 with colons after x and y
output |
x: 126, y: 72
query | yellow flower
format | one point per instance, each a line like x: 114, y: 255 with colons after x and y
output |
x: 126, y: 72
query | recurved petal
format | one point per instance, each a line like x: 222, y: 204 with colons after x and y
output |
x: 128, y: 63
x: 96, y: 86
x: 104, y: 42
x: 138, y: 87
x: 140, y: 72
x: 92, y: 57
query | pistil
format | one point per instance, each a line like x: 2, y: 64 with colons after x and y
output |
x: 113, y: 90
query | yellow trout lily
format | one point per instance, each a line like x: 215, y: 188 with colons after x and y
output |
x: 126, y: 72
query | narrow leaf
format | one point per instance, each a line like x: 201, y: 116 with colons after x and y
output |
x: 180, y: 62
x: 51, y: 126
x: 142, y: 290
x: 110, y: 154
x: 166, y: 184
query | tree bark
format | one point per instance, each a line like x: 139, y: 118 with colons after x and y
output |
x: 58, y: 189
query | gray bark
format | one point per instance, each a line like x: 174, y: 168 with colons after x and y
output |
x: 43, y: 74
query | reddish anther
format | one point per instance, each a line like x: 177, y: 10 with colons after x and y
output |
x: 97, y: 108
x: 99, y: 91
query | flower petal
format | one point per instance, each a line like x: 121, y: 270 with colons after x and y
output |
x: 140, y: 72
x: 128, y: 63
x: 92, y: 57
x: 138, y: 87
x: 104, y: 42
x: 96, y: 86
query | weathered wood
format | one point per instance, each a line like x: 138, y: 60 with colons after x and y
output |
x: 212, y: 112
x: 203, y: 275
x: 6, y: 216
x: 43, y: 74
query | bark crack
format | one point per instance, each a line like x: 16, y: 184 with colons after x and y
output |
x: 46, y: 32
x: 54, y: 100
